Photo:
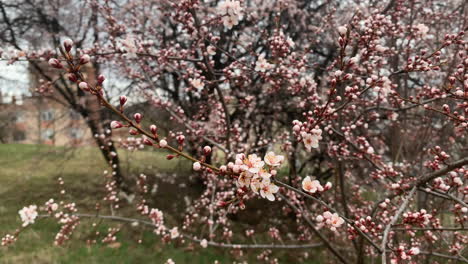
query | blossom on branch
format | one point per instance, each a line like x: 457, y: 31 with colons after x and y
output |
x: 28, y: 215
x: 311, y: 140
x: 231, y: 12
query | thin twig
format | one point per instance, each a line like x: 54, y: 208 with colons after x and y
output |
x: 393, y: 221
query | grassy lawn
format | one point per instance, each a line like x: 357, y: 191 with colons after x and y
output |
x: 28, y: 175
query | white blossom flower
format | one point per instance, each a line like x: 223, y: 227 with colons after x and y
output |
x: 28, y: 215
x: 204, y: 243
x: 262, y: 64
x: 174, y: 233
x: 336, y: 220
x: 311, y: 186
x: 211, y: 50
x: 273, y: 160
x: 244, y: 179
x: 422, y: 29
x: 414, y: 251
x: 196, y: 166
x: 311, y: 139
x: 253, y: 163
x: 231, y: 12
x: 268, y: 191
x: 197, y: 84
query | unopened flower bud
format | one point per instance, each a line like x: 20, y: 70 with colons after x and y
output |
x: 348, y: 76
x: 342, y: 30
x: 154, y: 129
x: 207, y: 150
x: 170, y: 156
x: 163, y: 143
x: 147, y: 142
x: 116, y: 124
x: 68, y: 44
x: 133, y: 132
x: 180, y: 139
x: 72, y: 77
x: 100, y: 79
x: 84, y: 59
x: 55, y: 63
x: 221, y: 203
x: 123, y: 100
x: 196, y: 166
x: 137, y: 117
x: 452, y: 80
x: 83, y: 86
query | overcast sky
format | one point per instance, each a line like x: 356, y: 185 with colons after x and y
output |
x: 13, y: 79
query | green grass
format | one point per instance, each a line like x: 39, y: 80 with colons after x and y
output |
x: 28, y: 175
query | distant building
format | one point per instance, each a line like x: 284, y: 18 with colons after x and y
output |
x: 44, y: 119
x: 41, y: 120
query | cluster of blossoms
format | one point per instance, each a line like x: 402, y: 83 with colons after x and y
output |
x: 421, y: 218
x: 333, y: 221
x: 309, y: 138
x: 403, y: 254
x: 314, y: 186
x: 253, y: 174
x: 366, y: 225
x: 280, y: 45
x: 28, y: 214
x: 231, y: 12
x: 262, y: 64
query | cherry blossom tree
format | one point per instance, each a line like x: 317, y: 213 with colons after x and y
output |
x: 346, y: 120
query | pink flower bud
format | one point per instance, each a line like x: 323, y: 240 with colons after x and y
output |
x: 223, y: 168
x: 163, y: 143
x: 170, y: 156
x: 100, y: 79
x: 196, y: 166
x: 221, y: 203
x: 342, y: 30
x: 55, y: 63
x: 68, y: 44
x: 72, y: 77
x: 133, y: 132
x: 137, y: 117
x: 147, y: 142
x: 180, y: 139
x: 154, y: 129
x: 83, y: 86
x: 116, y: 124
x: 84, y: 59
x: 207, y: 150
x: 123, y: 100
x: 452, y: 80
x: 348, y: 76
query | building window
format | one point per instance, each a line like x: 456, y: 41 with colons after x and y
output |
x: 47, y: 115
x: 47, y: 134
x: 76, y: 133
